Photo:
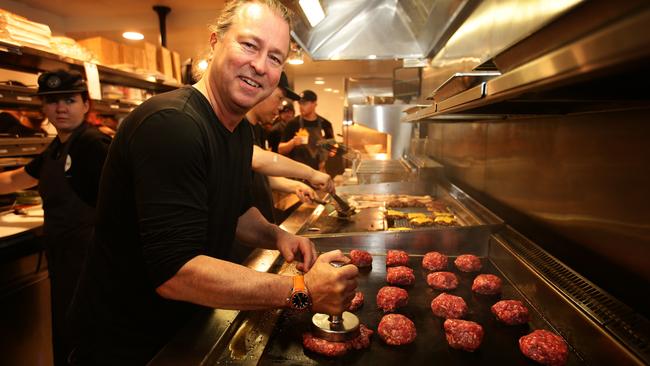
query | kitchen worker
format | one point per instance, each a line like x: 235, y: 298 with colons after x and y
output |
x: 175, y: 192
x: 285, y: 115
x: 311, y: 124
x: 269, y: 175
x: 265, y: 112
x: 67, y: 174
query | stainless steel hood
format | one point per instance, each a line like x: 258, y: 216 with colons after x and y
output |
x: 379, y: 29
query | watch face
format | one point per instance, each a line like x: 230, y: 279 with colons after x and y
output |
x: 300, y: 301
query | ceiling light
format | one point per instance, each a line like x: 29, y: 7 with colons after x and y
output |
x: 328, y: 89
x: 203, y: 65
x: 134, y: 36
x: 319, y: 82
x: 372, y: 57
x: 313, y: 11
x: 335, y: 91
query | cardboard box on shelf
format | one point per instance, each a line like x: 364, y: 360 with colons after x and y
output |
x: 148, y: 54
x: 176, y: 61
x: 106, y: 51
x: 165, y: 65
x: 127, y: 55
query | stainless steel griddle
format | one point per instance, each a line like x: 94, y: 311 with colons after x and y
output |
x: 598, y: 329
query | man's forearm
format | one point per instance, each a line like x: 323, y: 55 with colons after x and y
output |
x: 220, y: 284
x: 272, y: 164
x: 282, y: 184
x: 286, y: 147
x: 254, y: 230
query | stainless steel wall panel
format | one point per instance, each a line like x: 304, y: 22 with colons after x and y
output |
x: 463, y: 153
x: 584, y: 177
x: 576, y: 184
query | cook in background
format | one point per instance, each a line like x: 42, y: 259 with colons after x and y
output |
x: 302, y: 134
x: 67, y: 174
x: 175, y: 192
x: 275, y: 166
x: 286, y: 114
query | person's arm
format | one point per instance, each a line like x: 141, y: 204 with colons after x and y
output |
x: 15, y: 180
x: 272, y: 164
x: 220, y: 284
x: 303, y: 191
x: 285, y: 148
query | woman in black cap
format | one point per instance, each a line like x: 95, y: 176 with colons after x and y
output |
x: 67, y: 174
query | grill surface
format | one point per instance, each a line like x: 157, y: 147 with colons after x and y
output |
x: 620, y: 319
x: 500, y: 343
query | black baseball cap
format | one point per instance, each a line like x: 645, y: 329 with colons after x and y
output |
x: 284, y: 85
x: 61, y: 82
x: 308, y: 96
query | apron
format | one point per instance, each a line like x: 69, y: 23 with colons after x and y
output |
x: 310, y: 154
x: 68, y: 232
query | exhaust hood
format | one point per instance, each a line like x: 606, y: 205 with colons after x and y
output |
x: 379, y: 29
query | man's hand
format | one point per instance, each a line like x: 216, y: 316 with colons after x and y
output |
x: 304, y: 192
x: 294, y: 247
x: 332, y: 289
x: 297, y: 140
x: 321, y: 181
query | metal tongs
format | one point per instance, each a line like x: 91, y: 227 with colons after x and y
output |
x: 343, y: 208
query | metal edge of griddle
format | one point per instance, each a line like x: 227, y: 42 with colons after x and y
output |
x: 599, y: 328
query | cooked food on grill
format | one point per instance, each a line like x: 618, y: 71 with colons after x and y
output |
x: 468, y: 263
x: 399, y: 228
x: 511, y: 312
x: 336, y: 349
x: 396, y: 258
x: 487, y: 284
x: 415, y: 215
x: 463, y: 334
x: 394, y: 215
x: 357, y: 301
x: 544, y: 347
x: 444, y: 218
x: 361, y: 258
x: 400, y: 275
x: 449, y: 306
x: 397, y: 202
x: 442, y: 280
x: 421, y: 221
x: 437, y: 206
x: 396, y: 329
x: 389, y: 298
x: 434, y: 261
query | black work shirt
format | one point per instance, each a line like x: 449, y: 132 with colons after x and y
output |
x: 275, y: 135
x: 293, y: 126
x: 310, y: 154
x: 87, y: 154
x: 174, y: 184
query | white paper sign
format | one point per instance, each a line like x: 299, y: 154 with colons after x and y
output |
x: 92, y: 77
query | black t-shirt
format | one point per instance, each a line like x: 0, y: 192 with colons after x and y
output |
x: 274, y: 136
x: 309, y: 154
x: 87, y: 154
x: 294, y: 125
x: 174, y: 184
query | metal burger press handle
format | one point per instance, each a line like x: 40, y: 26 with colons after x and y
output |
x: 335, y: 327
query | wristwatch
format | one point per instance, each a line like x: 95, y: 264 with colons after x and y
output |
x: 299, y: 298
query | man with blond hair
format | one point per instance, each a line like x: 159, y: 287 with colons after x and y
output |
x: 175, y: 192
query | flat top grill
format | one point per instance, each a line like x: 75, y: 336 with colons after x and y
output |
x: 499, y: 346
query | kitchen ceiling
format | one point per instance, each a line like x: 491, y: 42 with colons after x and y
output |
x: 187, y: 29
